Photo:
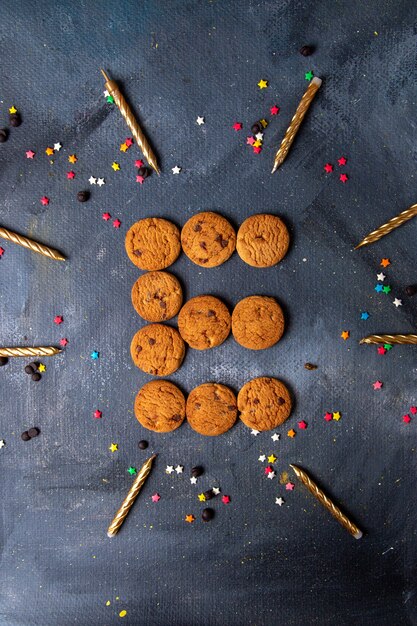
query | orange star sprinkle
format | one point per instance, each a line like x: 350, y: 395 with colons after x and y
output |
x: 291, y: 433
x: 49, y: 151
x: 72, y: 158
x: 345, y: 334
x: 385, y: 262
x: 123, y: 147
x: 189, y: 518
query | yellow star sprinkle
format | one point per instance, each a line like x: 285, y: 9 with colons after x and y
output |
x: 272, y: 458
x: 291, y: 433
x: 337, y: 416
x: 123, y: 147
x: 113, y: 447
x: 72, y: 158
x: 257, y: 143
x: 115, y: 166
x: 49, y: 151
x: 264, y: 123
x: 263, y: 84
x: 201, y: 497
x: 12, y: 109
x: 42, y: 367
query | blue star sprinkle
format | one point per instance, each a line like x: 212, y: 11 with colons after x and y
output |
x: 94, y: 355
x: 378, y: 288
x: 364, y: 315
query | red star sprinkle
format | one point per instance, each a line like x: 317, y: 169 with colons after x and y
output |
x: 156, y: 497
x: 30, y: 154
x: 268, y: 470
x: 274, y: 110
x: 116, y: 223
x: 44, y: 200
x: 342, y: 161
x: 302, y: 425
x: 381, y: 350
x: 1, y: 251
x: 289, y: 486
x: 226, y: 499
x: 237, y: 126
x: 343, y: 178
x: 406, y: 419
x: 139, y: 163
x: 106, y: 216
x: 58, y: 319
x: 71, y: 175
x: 257, y: 149
x: 413, y: 409
x: 328, y: 168
x: 250, y: 140
x: 97, y: 414
x: 377, y: 384
x: 328, y: 417
x: 63, y: 342
x: 140, y: 179
x: 129, y: 141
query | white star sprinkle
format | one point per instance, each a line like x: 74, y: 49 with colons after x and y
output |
x: 106, y: 93
x: 380, y: 276
x: 179, y: 469
x: 259, y: 136
x: 193, y: 480
x: 275, y: 437
x: 100, y: 182
x: 176, y: 169
x: 169, y: 469
x: 92, y: 180
x: 254, y: 432
x: 271, y: 475
x: 2, y: 443
x: 397, y: 302
x: 279, y: 501
x: 57, y: 147
x: 262, y: 458
x: 216, y: 491
x: 200, y: 120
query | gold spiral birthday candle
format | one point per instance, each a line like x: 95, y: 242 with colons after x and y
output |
x: 30, y: 244
x: 36, y: 351
x: 398, y: 339
x: 389, y: 226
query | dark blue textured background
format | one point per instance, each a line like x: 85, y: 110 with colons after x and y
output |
x: 256, y: 563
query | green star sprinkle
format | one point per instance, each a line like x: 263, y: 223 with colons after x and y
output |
x: 309, y: 75
x: 132, y: 470
x: 387, y: 346
x: 110, y: 99
x: 386, y: 289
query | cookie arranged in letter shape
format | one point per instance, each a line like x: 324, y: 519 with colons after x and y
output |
x: 262, y: 240
x: 264, y: 403
x: 160, y: 406
x: 204, y: 322
x: 157, y: 296
x: 257, y: 322
x: 211, y: 409
x: 208, y: 239
x: 157, y: 349
x: 153, y: 243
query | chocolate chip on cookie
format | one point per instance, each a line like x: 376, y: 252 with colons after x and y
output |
x: 211, y: 409
x: 208, y: 239
x: 157, y: 349
x: 157, y: 296
x: 257, y: 322
x: 160, y: 406
x: 264, y: 403
x: 262, y: 240
x: 204, y: 322
x: 153, y: 243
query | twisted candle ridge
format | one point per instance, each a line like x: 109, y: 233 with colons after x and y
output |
x: 127, y: 503
x: 31, y: 245
x: 327, y: 503
x: 135, y: 129
x: 36, y: 351
x: 389, y: 226
x: 295, y: 123
x: 401, y: 339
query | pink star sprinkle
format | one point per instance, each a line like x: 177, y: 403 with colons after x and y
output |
x: 58, y: 319
x: 44, y: 200
x: 129, y: 141
x: 30, y: 154
x: 343, y: 178
x: 97, y: 414
x: 156, y: 497
x: 328, y: 417
x: 342, y: 161
x: 70, y: 175
x: 328, y: 168
x: 250, y: 140
x: 274, y: 110
x: 377, y: 384
x: 226, y: 499
x: 302, y: 425
x: 139, y: 163
x: 237, y: 126
x: 106, y: 216
x: 140, y: 179
x: 381, y: 350
x: 116, y: 223
x: 63, y: 342
x: 289, y: 486
x: 406, y: 419
x: 413, y: 409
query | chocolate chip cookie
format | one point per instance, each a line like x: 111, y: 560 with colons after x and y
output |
x: 257, y: 322
x: 204, y: 322
x: 211, y: 409
x: 262, y: 240
x: 157, y: 296
x: 157, y: 349
x: 264, y: 403
x: 153, y: 243
x: 160, y: 406
x: 208, y: 239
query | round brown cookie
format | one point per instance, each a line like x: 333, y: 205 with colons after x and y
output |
x: 160, y: 406
x: 264, y: 403
x: 204, y: 322
x: 257, y: 322
x: 157, y: 349
x: 153, y: 243
x: 208, y: 239
x: 157, y: 296
x: 211, y: 409
x: 262, y: 240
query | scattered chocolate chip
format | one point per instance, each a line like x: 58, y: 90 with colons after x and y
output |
x: 197, y: 228
x: 411, y: 290
x: 3, y: 135
x: 34, y: 365
x: 144, y: 172
x: 83, y: 196
x: 15, y: 119
x: 151, y: 341
x: 207, y: 515
x: 211, y: 313
x: 306, y: 51
x: 256, y: 128
x: 143, y: 444
x: 209, y: 495
x: 137, y: 252
x: 36, y: 377
x: 33, y: 432
x: 25, y: 436
x: 29, y: 370
x: 310, y: 366
x: 3, y: 360
x: 197, y: 471
x: 280, y: 401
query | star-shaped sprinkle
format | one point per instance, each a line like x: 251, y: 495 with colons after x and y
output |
x: 413, y: 410
x: 289, y: 486
x: 257, y: 143
x: 345, y: 335
x: 259, y: 136
x: 291, y: 433
x: 139, y: 163
x: 57, y: 146
x: 264, y: 123
x: 268, y: 470
x: 116, y: 223
x: 377, y: 384
x: 378, y: 288
x: 49, y: 151
x: 2, y: 251
x: 176, y: 169
x: 308, y: 75
x: 274, y: 110
x: 169, y: 469
x: 200, y: 120
x: 388, y: 346
x: 328, y: 416
x: 386, y: 289
x: 302, y: 425
x: 92, y: 180
x: 216, y: 490
x: 364, y: 315
x: 381, y: 350
x: 397, y: 302
x: 271, y: 475
x: 337, y: 415
x: 385, y: 262
x: 250, y: 140
x: 262, y: 458
x: 343, y: 178
x: 179, y: 469
x: 225, y: 499
x: 12, y: 110
x: 2, y: 443
x: 237, y: 126
x: 132, y: 470
x: 279, y: 501
x: 201, y: 497
x: 193, y: 480
x: 44, y: 201
x: 97, y: 414
x: 263, y: 84
x: 275, y: 437
x: 106, y: 93
x: 257, y: 149
x: 113, y: 447
x: 255, y: 432
x: 129, y: 141
x: 58, y: 319
x: 63, y: 342
x: 110, y: 99
x: 140, y: 179
x: 328, y: 168
x: 406, y: 419
x: 70, y: 175
x: 380, y: 276
x: 106, y: 216
x: 100, y: 182
x: 94, y: 355
x: 72, y: 158
x: 190, y: 519
x: 30, y: 154
x: 123, y: 147
x: 115, y: 166
x: 272, y: 458
x: 342, y: 161
x: 156, y: 497
x: 42, y: 367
